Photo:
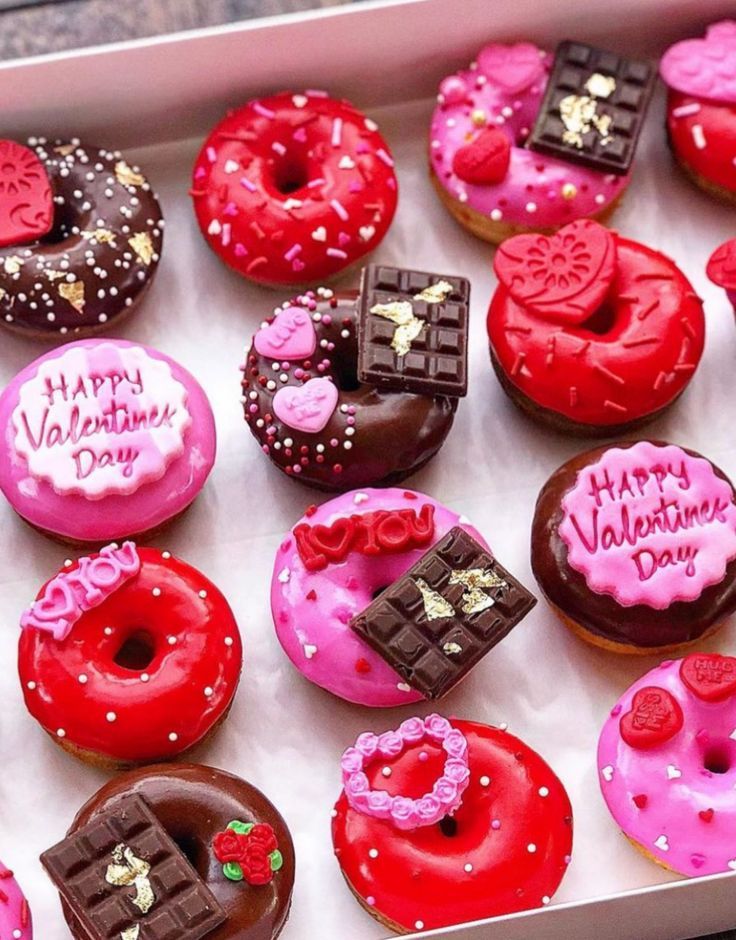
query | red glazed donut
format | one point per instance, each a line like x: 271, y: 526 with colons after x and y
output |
x: 129, y: 656
x: 591, y: 332
x: 503, y: 845
x: 292, y: 189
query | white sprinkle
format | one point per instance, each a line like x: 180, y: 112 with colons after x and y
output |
x: 228, y: 641
x: 111, y: 716
x: 346, y: 163
x: 546, y: 899
x: 386, y: 771
x: 531, y: 848
x: 686, y: 110
x: 373, y: 853
x: 278, y: 148
x: 107, y: 631
x: 172, y: 641
x: 496, y: 215
x: 61, y: 733
x: 672, y: 772
x: 699, y: 136
x: 661, y: 843
x: 485, y: 781
x: 214, y: 227
x: 403, y: 687
x: 419, y: 925
x: 468, y: 868
x: 173, y: 737
x: 231, y: 166
x: 203, y: 594
x: 531, y: 207
x: 309, y: 650
x: 82, y: 679
x: 156, y: 592
x: 299, y: 101
x: 337, y: 132
x: 166, y: 555
x: 339, y: 209
x: 543, y: 791
x: 382, y: 155
x: 607, y: 773
x: 145, y: 677
x: 209, y: 691
x: 284, y: 575
x: 371, y: 124
x: 359, y: 498
x: 31, y: 686
x: 600, y: 199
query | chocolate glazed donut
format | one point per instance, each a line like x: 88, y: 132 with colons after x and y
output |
x: 640, y: 625
x: 193, y: 803
x: 100, y: 254
x: 371, y: 436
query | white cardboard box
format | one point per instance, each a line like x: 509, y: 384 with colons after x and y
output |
x: 165, y: 93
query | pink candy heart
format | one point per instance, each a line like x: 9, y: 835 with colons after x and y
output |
x: 513, y: 68
x: 705, y: 68
x: 306, y: 407
x: 291, y: 336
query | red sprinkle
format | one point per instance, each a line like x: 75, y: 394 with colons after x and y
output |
x: 362, y: 666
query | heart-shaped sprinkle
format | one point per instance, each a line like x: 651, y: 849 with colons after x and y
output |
x: 709, y: 676
x: 697, y: 861
x: 346, y: 163
x: 721, y: 267
x: 297, y: 265
x: 240, y: 250
x: 320, y: 234
x: 300, y: 135
x: 640, y: 800
x: 661, y: 843
x: 485, y: 160
x: 200, y: 173
x: 706, y: 815
x: 299, y: 101
x: 307, y: 407
x: 367, y: 232
x: 513, y: 68
x: 26, y: 203
x: 231, y: 166
x: 607, y: 773
x: 290, y: 336
x: 309, y: 650
x: 562, y: 277
x: 343, y: 239
x: 673, y: 773
x: 215, y: 227
x: 732, y: 864
x: 654, y: 718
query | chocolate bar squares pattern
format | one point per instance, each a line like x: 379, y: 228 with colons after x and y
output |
x: 413, y: 331
x: 437, y: 621
x: 593, y: 108
x: 124, y: 879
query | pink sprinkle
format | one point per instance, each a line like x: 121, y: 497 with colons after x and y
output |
x: 351, y: 410
x: 297, y: 265
x: 298, y: 373
x: 337, y: 132
x: 321, y: 367
x: 423, y: 756
x: 370, y: 901
x: 265, y: 448
x: 343, y: 239
x: 230, y: 209
x: 314, y: 183
x: 686, y: 110
x: 362, y: 148
x: 251, y: 187
x: 351, y: 421
x: 334, y: 442
x: 331, y: 346
x: 382, y: 155
x: 339, y: 209
x: 355, y: 187
x: 226, y: 233
x: 326, y: 319
x: 293, y: 252
x: 278, y: 147
x: 296, y: 468
x: 253, y: 409
x: 200, y: 173
x: 211, y: 154
x: 263, y: 110
x: 496, y: 824
x: 240, y: 250
x: 285, y: 366
x: 316, y: 93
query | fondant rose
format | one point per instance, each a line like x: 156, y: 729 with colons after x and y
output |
x: 379, y: 801
x: 403, y: 811
x: 357, y: 783
x: 352, y: 761
x: 265, y: 836
x: 367, y: 743
x: 456, y: 770
x: 256, y: 864
x: 437, y: 727
x: 455, y: 744
x: 390, y: 744
x: 229, y: 846
x: 412, y: 730
x: 445, y: 790
x: 428, y: 808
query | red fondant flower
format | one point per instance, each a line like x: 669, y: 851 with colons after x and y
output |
x: 230, y: 846
x: 256, y: 864
x: 264, y: 835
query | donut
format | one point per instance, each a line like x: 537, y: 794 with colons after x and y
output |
x: 15, y: 914
x: 322, y: 578
x: 312, y: 416
x: 591, y: 333
x: 721, y: 269
x: 294, y: 188
x: 128, y: 656
x: 666, y: 764
x: 196, y: 806
x: 484, y: 175
x: 634, y: 546
x: 700, y: 75
x: 103, y: 440
x: 441, y: 823
x: 81, y: 233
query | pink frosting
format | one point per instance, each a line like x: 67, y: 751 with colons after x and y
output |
x: 314, y: 630
x: 705, y: 68
x: 15, y: 915
x: 538, y: 191
x: 291, y: 336
x: 657, y: 795
x: 650, y: 525
x: 103, y: 439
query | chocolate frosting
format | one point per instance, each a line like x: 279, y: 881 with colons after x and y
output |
x: 639, y: 625
x: 101, y: 253
x: 193, y: 803
x: 393, y: 435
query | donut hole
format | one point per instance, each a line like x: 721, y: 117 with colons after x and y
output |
x: 136, y: 651
x: 346, y: 372
x: 378, y: 591
x: 448, y: 827
x: 290, y: 174
x: 717, y: 759
x: 191, y: 848
x: 602, y: 321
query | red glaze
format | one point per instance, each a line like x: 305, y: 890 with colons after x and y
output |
x: 485, y: 160
x: 631, y: 358
x: 190, y: 684
x: 26, y: 206
x: 419, y: 877
x: 655, y: 717
x: 721, y: 267
x: 709, y: 151
x: 710, y: 676
x: 293, y: 188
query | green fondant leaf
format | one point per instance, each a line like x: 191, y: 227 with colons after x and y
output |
x: 232, y: 871
x: 237, y: 826
x: 276, y: 859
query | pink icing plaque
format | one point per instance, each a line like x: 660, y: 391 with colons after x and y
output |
x: 100, y: 420
x: 67, y: 596
x: 291, y: 336
x: 649, y: 525
x: 705, y: 68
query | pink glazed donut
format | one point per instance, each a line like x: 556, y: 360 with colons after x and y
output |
x: 484, y: 175
x: 103, y: 440
x: 15, y: 914
x: 320, y: 582
x: 667, y: 764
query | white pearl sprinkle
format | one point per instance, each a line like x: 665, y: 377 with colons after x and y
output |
x: 108, y: 631
x: 61, y: 733
x: 172, y: 641
x: 173, y: 737
x: 156, y: 592
x: 386, y: 771
x: 546, y: 899
x: 419, y: 925
x: 531, y: 848
x: 203, y: 594
x: 531, y: 207
x: 496, y: 215
x: 373, y: 853
x: 145, y: 677
x: 543, y: 791
x: 83, y: 679
x: 468, y: 868
x: 228, y: 641
x: 208, y: 691
x: 485, y: 781
x: 166, y: 555
x: 111, y: 716
x: 31, y: 686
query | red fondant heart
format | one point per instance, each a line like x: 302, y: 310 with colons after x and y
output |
x: 513, y: 68
x: 706, y: 815
x: 334, y: 540
x: 564, y: 277
x: 485, y: 160
x: 26, y: 204
x: 654, y: 718
x: 640, y: 800
x: 710, y: 676
x: 721, y: 267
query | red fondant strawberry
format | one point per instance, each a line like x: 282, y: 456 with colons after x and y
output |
x: 26, y: 204
x: 562, y: 277
x: 655, y: 717
x: 485, y: 160
x: 710, y: 676
x: 721, y: 267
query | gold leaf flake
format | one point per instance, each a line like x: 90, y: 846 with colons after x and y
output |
x: 65, y: 150
x: 3, y: 293
x: 102, y: 236
x: 408, y: 326
x: 451, y: 648
x: 569, y: 190
x: 127, y: 176
x: 142, y: 246
x: 126, y: 870
x: 600, y: 86
x: 13, y: 264
x: 474, y: 599
x: 435, y: 293
x: 131, y: 933
x: 579, y: 114
x: 73, y: 294
x: 53, y: 275
x: 435, y: 605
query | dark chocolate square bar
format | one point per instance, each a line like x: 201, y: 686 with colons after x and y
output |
x: 593, y: 108
x: 123, y: 878
x: 442, y: 617
x: 413, y: 331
